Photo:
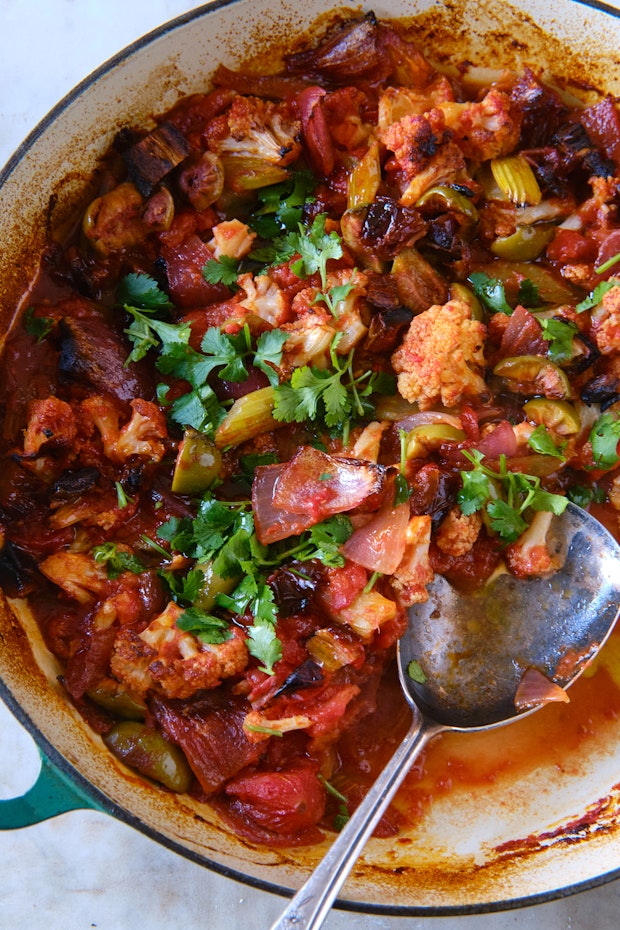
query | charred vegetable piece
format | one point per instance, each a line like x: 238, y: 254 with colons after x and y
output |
x: 419, y: 285
x: 386, y: 329
x: 556, y: 415
x: 150, y: 753
x: 154, y: 156
x: 198, y: 464
x: 365, y: 179
x: 202, y: 180
x: 534, y: 374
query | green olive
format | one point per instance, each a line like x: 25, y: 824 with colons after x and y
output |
x: 112, y: 697
x: 423, y: 439
x: 557, y: 415
x: 525, y: 244
x: 460, y: 291
x: 448, y: 198
x: 198, y: 464
x: 150, y: 753
x: 212, y: 585
x: 534, y: 374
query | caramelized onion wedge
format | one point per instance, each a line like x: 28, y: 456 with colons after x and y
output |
x: 319, y: 485
x: 535, y: 690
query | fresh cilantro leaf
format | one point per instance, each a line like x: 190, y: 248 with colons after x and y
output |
x: 227, y: 352
x: 199, y: 409
x: 269, y: 353
x: 185, y: 589
x: 121, y: 496
x: 528, y: 293
x: 142, y: 291
x: 316, y: 247
x: 583, y: 496
x: 491, y: 292
x: 476, y: 490
x: 415, y: 672
x: 146, y: 333
x: 542, y: 441
x: 506, y: 521
x: 209, y: 629
x: 545, y: 500
x: 37, y: 326
x: 181, y: 361
x: 264, y: 645
x: 604, y: 437
x: 222, y: 270
x: 323, y: 541
x: 560, y: 335
x: 596, y: 296
x: 282, y: 205
x: 117, y: 560
x: 334, y: 296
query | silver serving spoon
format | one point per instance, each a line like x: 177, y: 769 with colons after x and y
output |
x: 473, y: 651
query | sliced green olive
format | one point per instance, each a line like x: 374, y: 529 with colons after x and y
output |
x: 525, y: 244
x: 551, y: 290
x: 112, y: 697
x: 448, y: 198
x: 557, y: 415
x: 534, y: 374
x: 150, y: 753
x: 198, y: 464
x: 425, y: 438
x: 460, y: 291
x: 212, y: 585
x: 515, y: 178
x: 394, y: 407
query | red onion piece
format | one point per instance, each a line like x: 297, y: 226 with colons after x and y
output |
x: 424, y: 417
x: 535, y: 690
x: 379, y: 546
x: 501, y: 441
x: 271, y: 522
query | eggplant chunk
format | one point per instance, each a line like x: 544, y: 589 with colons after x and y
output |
x: 154, y: 156
x: 91, y: 352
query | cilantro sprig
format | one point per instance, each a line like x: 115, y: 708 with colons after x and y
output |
x: 604, y: 437
x: 492, y: 293
x: 313, y: 245
x: 117, y: 560
x: 506, y: 496
x: 222, y: 270
x: 281, y: 205
x: 559, y: 334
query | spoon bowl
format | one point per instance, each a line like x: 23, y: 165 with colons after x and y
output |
x: 470, y: 653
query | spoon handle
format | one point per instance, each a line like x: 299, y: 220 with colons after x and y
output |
x: 312, y: 903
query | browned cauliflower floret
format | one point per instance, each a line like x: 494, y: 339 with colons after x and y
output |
x: 232, y: 238
x: 143, y: 435
x: 256, y: 141
x: 486, y: 129
x: 173, y: 662
x: 423, y: 154
x: 606, y: 322
x: 308, y: 342
x: 77, y: 574
x: 396, y: 102
x: 51, y: 423
x: 458, y: 532
x: 414, y: 572
x: 441, y: 357
x: 530, y: 555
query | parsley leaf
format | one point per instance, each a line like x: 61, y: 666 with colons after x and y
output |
x: 37, y: 326
x: 605, y: 436
x: 209, y: 629
x: 491, y: 292
x: 117, y: 560
x: 542, y: 441
x: 222, y: 270
x: 560, y: 335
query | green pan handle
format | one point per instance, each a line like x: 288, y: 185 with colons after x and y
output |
x: 53, y: 793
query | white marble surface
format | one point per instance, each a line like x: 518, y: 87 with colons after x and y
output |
x: 83, y: 869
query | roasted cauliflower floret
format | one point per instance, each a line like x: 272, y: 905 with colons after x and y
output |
x: 143, y: 436
x: 263, y: 297
x: 530, y: 554
x: 172, y: 662
x: 256, y: 140
x: 423, y: 155
x: 232, y: 238
x: 414, y: 572
x: 441, y: 357
x: 51, y: 423
x: 77, y: 574
x: 606, y: 322
x: 458, y: 532
x: 486, y: 129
